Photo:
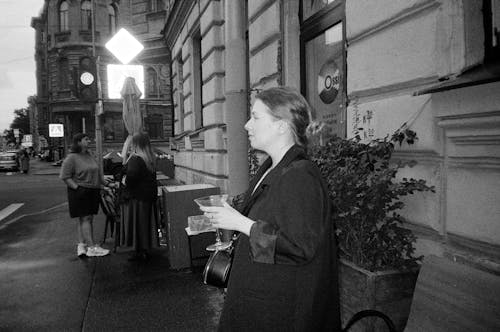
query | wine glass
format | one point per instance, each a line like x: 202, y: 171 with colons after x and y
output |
x: 214, y: 200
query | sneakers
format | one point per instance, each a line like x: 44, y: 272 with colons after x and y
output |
x: 81, y: 249
x: 96, y: 251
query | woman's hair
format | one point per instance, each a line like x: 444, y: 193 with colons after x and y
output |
x: 286, y: 104
x: 142, y: 147
x: 75, y: 146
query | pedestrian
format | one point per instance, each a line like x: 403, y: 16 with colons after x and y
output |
x: 24, y: 160
x: 138, y: 229
x: 284, y: 271
x: 80, y: 172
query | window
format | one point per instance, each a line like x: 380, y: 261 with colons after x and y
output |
x: 86, y: 15
x: 63, y: 74
x: 63, y: 16
x: 491, y: 12
x: 113, y: 126
x: 323, y: 65
x: 197, y: 86
x: 178, y: 96
x: 154, y: 126
x: 112, y: 19
x: 152, y: 83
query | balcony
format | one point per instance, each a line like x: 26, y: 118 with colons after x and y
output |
x: 62, y: 36
x: 86, y: 36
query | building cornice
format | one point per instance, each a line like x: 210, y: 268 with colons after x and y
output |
x: 175, y: 21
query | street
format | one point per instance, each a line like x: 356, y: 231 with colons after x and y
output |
x: 45, y: 287
x: 36, y: 192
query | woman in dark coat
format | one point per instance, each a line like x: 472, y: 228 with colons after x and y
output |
x: 284, y: 273
x: 140, y: 185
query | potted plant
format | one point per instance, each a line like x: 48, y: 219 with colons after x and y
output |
x: 378, y: 269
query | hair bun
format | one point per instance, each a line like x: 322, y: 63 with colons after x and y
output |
x: 315, y: 128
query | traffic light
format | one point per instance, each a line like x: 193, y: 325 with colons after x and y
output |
x: 87, y: 80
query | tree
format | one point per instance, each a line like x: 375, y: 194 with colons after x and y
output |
x: 22, y: 122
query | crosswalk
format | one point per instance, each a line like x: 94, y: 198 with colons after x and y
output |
x: 4, y: 213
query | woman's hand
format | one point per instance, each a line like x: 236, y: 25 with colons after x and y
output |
x: 228, y: 218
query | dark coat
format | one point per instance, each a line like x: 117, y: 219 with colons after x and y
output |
x: 284, y: 276
x: 140, y: 181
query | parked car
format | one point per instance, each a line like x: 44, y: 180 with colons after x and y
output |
x: 8, y: 161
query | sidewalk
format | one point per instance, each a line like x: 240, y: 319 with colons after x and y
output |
x: 46, y: 287
x: 132, y: 296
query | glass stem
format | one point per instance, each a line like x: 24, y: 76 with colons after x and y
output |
x: 217, y: 236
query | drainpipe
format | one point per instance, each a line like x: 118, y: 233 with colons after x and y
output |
x: 235, y: 106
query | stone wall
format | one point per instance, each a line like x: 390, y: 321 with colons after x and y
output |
x: 398, y: 50
x: 199, y: 124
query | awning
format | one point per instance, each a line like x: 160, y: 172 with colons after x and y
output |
x: 480, y: 74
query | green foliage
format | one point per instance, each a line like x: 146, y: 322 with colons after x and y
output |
x: 253, y: 162
x: 366, y: 200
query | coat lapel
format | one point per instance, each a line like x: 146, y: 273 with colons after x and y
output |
x: 294, y: 153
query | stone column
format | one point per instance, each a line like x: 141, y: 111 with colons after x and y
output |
x: 235, y: 106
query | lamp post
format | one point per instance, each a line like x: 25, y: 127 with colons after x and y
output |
x: 98, y: 105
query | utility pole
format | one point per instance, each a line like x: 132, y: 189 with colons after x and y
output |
x: 98, y: 107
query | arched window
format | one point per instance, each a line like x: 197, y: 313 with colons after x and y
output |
x: 152, y: 79
x: 63, y: 74
x: 112, y: 19
x: 63, y: 16
x: 86, y: 10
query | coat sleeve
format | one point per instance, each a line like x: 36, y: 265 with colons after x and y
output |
x: 298, y: 221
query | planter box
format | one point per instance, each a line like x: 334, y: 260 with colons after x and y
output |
x: 389, y: 292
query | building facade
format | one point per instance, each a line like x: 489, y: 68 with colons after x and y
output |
x: 70, y: 32
x: 368, y: 68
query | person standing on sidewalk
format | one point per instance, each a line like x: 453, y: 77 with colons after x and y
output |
x: 80, y: 172
x: 24, y: 160
x: 284, y: 272
x: 141, y: 188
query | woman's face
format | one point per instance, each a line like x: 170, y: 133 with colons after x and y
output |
x: 84, y: 143
x: 262, y: 127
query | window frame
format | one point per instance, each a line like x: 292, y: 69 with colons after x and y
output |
x: 315, y: 25
x: 152, y: 87
x: 492, y: 52
x: 86, y: 15
x: 180, y: 92
x: 112, y: 19
x: 197, y: 75
x: 63, y: 15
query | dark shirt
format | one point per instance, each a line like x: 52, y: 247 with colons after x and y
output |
x: 140, y: 181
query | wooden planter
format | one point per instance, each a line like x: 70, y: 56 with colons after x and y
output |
x: 389, y: 292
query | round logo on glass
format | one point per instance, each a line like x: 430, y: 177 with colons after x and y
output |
x: 328, y: 82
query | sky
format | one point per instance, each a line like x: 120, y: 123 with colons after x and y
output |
x: 17, y: 62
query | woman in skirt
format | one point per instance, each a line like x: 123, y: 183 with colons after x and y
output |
x: 141, y: 188
x: 80, y: 172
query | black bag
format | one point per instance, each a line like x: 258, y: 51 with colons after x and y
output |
x: 218, y: 267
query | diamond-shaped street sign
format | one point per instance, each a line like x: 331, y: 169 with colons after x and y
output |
x: 124, y: 46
